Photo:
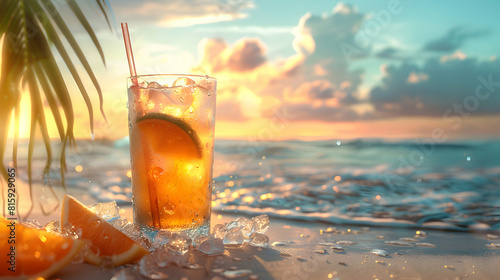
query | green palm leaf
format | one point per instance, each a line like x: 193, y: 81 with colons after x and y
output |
x: 29, y: 28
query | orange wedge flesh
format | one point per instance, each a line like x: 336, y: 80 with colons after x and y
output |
x: 37, y: 252
x: 112, y: 243
x: 171, y: 179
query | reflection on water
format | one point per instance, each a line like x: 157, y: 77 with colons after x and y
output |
x: 403, y: 183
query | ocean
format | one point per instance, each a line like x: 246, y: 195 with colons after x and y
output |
x: 452, y: 186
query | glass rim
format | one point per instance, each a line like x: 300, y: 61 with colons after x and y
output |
x: 173, y: 75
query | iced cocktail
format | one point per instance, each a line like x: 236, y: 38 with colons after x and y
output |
x: 171, y: 124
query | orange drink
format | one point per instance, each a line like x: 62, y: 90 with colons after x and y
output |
x: 171, y: 123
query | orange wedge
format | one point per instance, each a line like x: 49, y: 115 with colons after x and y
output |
x: 38, y: 254
x: 112, y: 244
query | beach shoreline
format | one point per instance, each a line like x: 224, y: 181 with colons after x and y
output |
x: 456, y: 255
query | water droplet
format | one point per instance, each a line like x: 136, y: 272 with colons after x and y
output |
x: 193, y: 266
x: 346, y: 242
x: 399, y: 243
x: 236, y: 273
x: 492, y: 236
x: 493, y: 246
x: 209, y: 92
x: 337, y: 248
x: 408, y: 239
x: 425, y: 244
x: 181, y: 99
x: 339, y: 143
x: 278, y: 243
x: 378, y: 252
x: 330, y: 230
x: 320, y: 251
x: 191, y: 109
x: 468, y: 158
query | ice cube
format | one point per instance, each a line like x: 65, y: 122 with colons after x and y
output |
x: 53, y: 227
x: 234, y: 236
x: 212, y: 246
x: 198, y: 239
x: 247, y: 230
x: 241, y: 221
x: 183, y: 81
x: 231, y: 225
x: 132, y: 230
x: 261, y: 224
x: 119, y: 223
x: 164, y: 258
x: 124, y: 274
x: 107, y: 211
x: 154, y: 85
x: 179, y: 243
x: 259, y: 240
x: 161, y: 239
x: 219, y: 231
x: 32, y: 224
x: 71, y: 232
x: 148, y: 268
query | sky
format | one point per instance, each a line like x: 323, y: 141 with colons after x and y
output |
x: 312, y: 69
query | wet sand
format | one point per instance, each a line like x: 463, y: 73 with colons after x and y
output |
x: 456, y: 256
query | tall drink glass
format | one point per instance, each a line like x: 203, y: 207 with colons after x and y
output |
x: 171, y: 125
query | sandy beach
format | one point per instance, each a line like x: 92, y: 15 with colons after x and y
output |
x: 456, y: 255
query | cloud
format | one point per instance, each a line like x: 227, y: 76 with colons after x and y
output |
x: 317, y: 80
x: 176, y: 13
x: 260, y: 30
x: 245, y: 55
x: 435, y: 87
x: 453, y: 39
x: 389, y: 53
x: 322, y: 40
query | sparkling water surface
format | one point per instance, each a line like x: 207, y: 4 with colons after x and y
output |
x: 453, y: 185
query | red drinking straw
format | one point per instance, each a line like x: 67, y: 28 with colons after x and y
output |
x: 130, y: 54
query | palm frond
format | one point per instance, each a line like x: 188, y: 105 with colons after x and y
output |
x: 29, y: 29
